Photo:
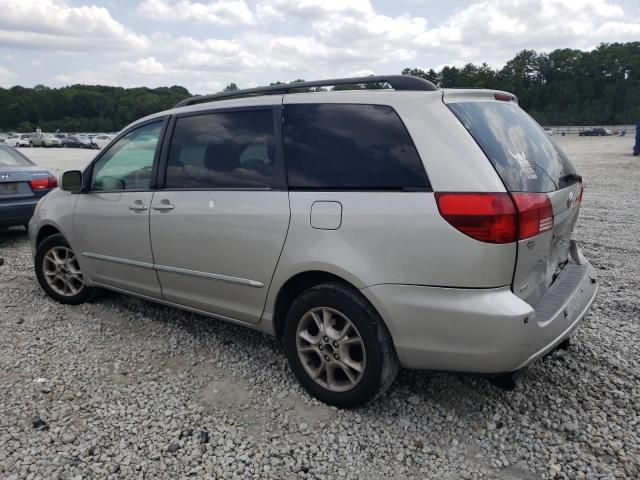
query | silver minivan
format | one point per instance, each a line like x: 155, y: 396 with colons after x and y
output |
x: 367, y: 229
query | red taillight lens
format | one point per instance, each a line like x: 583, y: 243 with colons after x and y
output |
x: 43, y: 183
x: 488, y: 217
x: 535, y: 214
x: 497, y: 217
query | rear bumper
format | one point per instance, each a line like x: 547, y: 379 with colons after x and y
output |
x: 18, y: 212
x: 488, y: 331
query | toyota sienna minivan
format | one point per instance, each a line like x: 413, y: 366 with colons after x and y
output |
x: 366, y: 229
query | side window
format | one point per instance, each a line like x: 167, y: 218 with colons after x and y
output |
x: 222, y: 150
x: 127, y: 165
x: 337, y: 146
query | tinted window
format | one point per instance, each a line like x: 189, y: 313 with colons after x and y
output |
x: 222, y: 150
x: 128, y: 163
x: 524, y: 156
x: 338, y: 146
x: 11, y: 158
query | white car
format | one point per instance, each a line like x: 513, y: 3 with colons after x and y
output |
x: 102, y: 140
x: 18, y: 141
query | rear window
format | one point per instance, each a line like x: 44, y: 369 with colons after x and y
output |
x: 349, y: 147
x: 524, y: 156
x: 11, y: 158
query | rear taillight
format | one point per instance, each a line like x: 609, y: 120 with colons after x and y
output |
x: 581, y: 192
x: 488, y: 217
x: 535, y: 214
x: 38, y: 184
x: 497, y: 217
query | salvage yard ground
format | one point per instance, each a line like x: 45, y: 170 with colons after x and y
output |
x: 122, y: 388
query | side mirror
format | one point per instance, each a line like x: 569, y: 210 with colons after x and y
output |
x: 71, y: 181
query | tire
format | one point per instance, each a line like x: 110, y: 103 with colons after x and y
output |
x: 369, y: 346
x: 70, y: 269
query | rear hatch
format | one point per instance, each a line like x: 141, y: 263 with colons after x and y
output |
x: 532, y: 167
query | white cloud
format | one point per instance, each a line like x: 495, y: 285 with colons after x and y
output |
x: 221, y: 12
x: 7, y: 77
x: 57, y: 25
x: 499, y: 28
x: 268, y: 40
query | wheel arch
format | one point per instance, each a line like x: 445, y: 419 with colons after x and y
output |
x: 298, y: 283
x: 47, y: 231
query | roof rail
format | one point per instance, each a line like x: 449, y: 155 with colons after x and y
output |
x: 397, y: 82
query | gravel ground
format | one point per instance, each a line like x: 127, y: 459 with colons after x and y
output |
x: 122, y: 388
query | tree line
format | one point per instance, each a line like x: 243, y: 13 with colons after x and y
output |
x: 564, y: 87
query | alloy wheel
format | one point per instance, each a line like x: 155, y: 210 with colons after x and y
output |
x: 62, y: 271
x: 330, y: 349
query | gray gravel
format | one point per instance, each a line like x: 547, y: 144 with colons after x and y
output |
x: 122, y: 388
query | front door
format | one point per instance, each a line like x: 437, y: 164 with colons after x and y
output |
x: 219, y: 224
x: 111, y: 220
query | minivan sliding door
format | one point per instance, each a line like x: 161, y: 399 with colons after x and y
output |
x: 219, y: 224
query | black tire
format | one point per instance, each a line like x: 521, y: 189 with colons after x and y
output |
x: 382, y: 363
x: 84, y: 295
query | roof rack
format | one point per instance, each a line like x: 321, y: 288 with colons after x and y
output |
x: 397, y: 82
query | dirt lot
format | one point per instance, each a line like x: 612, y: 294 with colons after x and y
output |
x: 122, y: 388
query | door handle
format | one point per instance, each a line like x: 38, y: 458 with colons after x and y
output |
x: 163, y: 206
x: 138, y: 206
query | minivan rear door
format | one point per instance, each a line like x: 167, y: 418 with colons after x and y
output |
x: 528, y: 162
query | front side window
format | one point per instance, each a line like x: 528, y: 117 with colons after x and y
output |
x: 338, y: 146
x: 127, y: 165
x: 222, y: 150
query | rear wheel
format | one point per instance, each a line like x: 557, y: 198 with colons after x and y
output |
x: 58, y: 272
x: 338, y: 346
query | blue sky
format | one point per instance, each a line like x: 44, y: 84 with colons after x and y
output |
x: 205, y: 44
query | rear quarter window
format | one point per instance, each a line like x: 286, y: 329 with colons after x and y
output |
x: 524, y: 156
x: 349, y: 147
x: 11, y: 158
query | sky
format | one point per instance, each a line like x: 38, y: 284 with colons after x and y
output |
x: 206, y: 44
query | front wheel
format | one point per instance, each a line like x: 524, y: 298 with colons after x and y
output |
x: 338, y: 347
x: 58, y: 272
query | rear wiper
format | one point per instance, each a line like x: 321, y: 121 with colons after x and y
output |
x: 569, y: 178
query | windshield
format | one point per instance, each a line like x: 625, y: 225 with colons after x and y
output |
x: 524, y: 156
x: 11, y: 158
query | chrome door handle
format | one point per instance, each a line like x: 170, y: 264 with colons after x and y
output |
x: 163, y: 206
x: 138, y: 206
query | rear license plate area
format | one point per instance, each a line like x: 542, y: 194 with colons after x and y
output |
x: 9, y: 188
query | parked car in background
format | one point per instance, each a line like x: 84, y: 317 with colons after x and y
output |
x: 60, y: 135
x: 18, y: 141
x: 22, y: 185
x: 549, y: 131
x: 429, y: 228
x: 3, y: 137
x: 77, y: 141
x: 45, y: 140
x: 102, y: 140
x: 593, y: 132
